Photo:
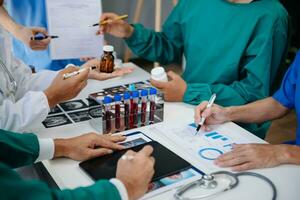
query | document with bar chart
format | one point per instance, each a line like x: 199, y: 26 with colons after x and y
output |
x: 208, y: 146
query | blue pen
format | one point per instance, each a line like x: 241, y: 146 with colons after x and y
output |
x: 41, y: 36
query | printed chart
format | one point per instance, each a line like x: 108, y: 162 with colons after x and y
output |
x: 204, y: 146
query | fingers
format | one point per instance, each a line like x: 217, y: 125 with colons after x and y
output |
x: 108, y: 16
x: 243, y: 167
x: 198, y: 111
x: 146, y: 151
x: 93, y: 153
x: 158, y: 84
x: 70, y: 68
x: 83, y: 76
x: 173, y: 75
x: 115, y: 138
x: 100, y: 141
x: 39, y: 30
x: 85, y: 59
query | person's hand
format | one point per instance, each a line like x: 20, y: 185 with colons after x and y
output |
x: 136, y: 174
x: 213, y: 115
x: 97, y: 75
x: 25, y: 34
x: 65, y: 89
x: 252, y: 156
x: 87, y: 146
x: 117, y: 28
x: 174, y: 89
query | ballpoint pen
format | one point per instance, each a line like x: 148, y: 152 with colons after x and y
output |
x: 69, y: 75
x: 106, y: 21
x: 210, y: 103
x: 41, y: 36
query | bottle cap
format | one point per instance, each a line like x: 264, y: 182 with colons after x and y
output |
x: 131, y: 87
x: 126, y: 95
x: 144, y: 93
x: 135, y: 94
x: 107, y: 100
x: 117, y: 97
x: 159, y: 74
x: 108, y: 48
x: 153, y: 91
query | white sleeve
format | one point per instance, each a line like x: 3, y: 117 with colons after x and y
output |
x: 26, y: 113
x: 121, y: 188
x: 46, y: 149
x: 27, y: 81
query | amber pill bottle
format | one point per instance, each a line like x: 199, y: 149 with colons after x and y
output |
x: 107, y: 60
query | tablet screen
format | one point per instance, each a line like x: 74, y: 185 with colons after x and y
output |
x: 166, y: 163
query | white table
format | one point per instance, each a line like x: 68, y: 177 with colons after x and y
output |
x: 67, y: 174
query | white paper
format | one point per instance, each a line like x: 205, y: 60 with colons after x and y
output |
x: 71, y: 20
x: 205, y: 146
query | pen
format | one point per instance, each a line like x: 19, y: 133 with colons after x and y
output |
x: 210, y: 103
x: 106, y: 21
x: 41, y: 36
x: 69, y: 75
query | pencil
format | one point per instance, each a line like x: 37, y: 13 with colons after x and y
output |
x: 106, y: 21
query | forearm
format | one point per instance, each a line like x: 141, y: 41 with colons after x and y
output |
x: 288, y: 154
x: 18, y: 150
x: 155, y: 46
x: 256, y: 112
x: 8, y: 23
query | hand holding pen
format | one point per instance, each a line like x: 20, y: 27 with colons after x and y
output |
x: 114, y: 24
x: 42, y: 36
x: 208, y: 113
x: 202, y: 120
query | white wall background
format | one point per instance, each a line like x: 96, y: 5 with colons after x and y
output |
x: 128, y: 7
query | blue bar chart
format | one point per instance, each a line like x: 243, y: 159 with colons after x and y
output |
x: 216, y: 136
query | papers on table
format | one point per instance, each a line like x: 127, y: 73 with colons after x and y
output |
x: 70, y: 20
x: 205, y: 147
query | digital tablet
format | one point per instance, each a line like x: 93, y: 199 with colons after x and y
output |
x: 166, y: 163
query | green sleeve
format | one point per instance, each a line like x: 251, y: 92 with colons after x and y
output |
x: 258, y: 69
x: 10, y: 182
x: 18, y: 150
x: 164, y: 47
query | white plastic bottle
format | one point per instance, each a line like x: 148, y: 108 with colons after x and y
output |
x: 159, y: 74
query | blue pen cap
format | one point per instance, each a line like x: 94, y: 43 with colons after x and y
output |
x: 117, y: 97
x: 126, y: 95
x: 144, y: 93
x: 153, y: 91
x: 135, y: 94
x: 107, y: 100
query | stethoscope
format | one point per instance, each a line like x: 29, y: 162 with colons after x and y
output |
x: 12, y: 86
x: 212, y: 181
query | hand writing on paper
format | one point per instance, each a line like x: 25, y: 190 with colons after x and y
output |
x: 214, y: 115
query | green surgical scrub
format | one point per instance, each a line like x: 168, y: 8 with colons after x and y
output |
x: 18, y: 150
x: 233, y: 50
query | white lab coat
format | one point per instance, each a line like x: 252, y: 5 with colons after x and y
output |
x: 29, y: 106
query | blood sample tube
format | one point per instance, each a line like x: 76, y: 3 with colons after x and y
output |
x: 144, y: 95
x: 153, y: 93
x: 107, y: 104
x: 117, y: 99
x: 134, y: 109
x: 126, y: 97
